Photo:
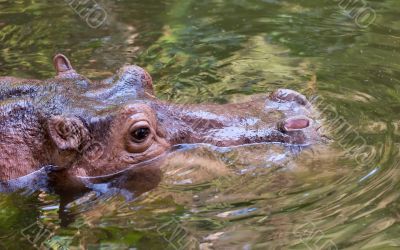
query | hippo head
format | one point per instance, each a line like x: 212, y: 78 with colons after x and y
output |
x: 96, y: 128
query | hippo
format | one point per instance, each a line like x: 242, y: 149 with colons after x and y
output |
x: 78, y: 127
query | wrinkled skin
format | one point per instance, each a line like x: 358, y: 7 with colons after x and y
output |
x: 83, y: 128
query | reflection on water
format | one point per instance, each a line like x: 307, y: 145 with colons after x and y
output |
x: 344, y: 195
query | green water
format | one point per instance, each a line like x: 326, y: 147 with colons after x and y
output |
x: 341, y: 196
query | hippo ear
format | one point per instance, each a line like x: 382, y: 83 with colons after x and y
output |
x: 68, y: 133
x: 62, y: 64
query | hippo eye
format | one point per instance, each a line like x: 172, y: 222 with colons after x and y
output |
x: 139, y: 135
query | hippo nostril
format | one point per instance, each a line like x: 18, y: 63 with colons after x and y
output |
x: 297, y: 124
x: 293, y: 124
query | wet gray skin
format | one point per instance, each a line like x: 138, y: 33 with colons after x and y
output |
x: 85, y: 128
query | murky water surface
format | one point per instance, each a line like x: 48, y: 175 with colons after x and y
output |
x: 344, y: 195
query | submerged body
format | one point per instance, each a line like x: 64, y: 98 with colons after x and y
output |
x: 84, y: 128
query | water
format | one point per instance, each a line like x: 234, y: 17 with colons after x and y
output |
x: 341, y: 196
